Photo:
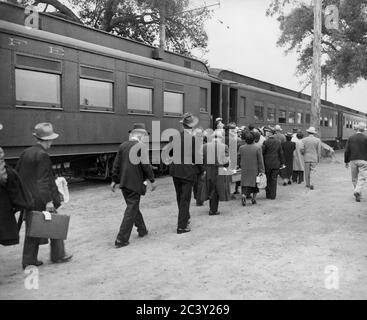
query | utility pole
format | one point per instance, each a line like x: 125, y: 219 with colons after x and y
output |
x: 162, y: 24
x: 316, y: 68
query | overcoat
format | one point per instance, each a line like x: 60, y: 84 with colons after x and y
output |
x: 298, y: 161
x: 272, y: 153
x: 13, y: 197
x: 288, y: 150
x: 251, y: 163
x: 216, y: 156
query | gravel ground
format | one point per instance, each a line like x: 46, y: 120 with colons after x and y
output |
x: 273, y: 250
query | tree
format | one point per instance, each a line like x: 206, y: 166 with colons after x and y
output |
x: 138, y: 20
x: 344, y: 51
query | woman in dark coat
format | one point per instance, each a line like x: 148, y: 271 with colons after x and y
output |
x: 252, y: 163
x: 288, y: 149
x: 13, y: 198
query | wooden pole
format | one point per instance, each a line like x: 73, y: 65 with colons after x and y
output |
x: 316, y: 69
x: 162, y: 25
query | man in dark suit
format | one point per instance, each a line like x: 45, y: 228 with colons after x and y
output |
x: 273, y: 160
x: 356, y: 155
x: 35, y: 170
x: 183, y: 170
x: 131, y: 169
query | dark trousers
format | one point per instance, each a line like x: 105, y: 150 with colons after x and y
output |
x: 132, y: 215
x: 31, y: 247
x: 213, y: 197
x: 271, y: 188
x: 183, y: 195
x: 297, y: 176
x: 197, y: 188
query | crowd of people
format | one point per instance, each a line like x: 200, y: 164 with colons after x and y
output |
x: 261, y: 155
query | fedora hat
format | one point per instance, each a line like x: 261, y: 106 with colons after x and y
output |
x: 311, y: 130
x: 139, y: 127
x: 289, y: 134
x: 189, y: 120
x: 45, y: 131
x: 278, y: 128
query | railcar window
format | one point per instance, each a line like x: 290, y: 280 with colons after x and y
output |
x: 243, y: 106
x: 203, y: 99
x: 308, y: 118
x: 299, y: 118
x: 271, y: 114
x: 96, y: 95
x: 140, y: 99
x: 258, y: 113
x: 37, y: 89
x: 291, y: 117
x: 173, y: 103
x: 282, y: 116
x: 326, y: 122
x: 321, y: 122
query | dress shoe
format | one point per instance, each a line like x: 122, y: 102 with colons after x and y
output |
x: 284, y: 183
x: 311, y: 187
x: 143, y: 233
x: 236, y: 192
x: 214, y: 213
x: 64, y: 259
x: 199, y: 204
x: 289, y: 182
x: 183, y: 230
x: 357, y: 195
x: 120, y: 244
x: 36, y: 264
x: 253, y: 201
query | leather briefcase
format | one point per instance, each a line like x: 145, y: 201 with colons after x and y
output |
x: 39, y: 227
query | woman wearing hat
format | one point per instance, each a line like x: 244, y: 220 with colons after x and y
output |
x: 288, y: 149
x: 35, y: 170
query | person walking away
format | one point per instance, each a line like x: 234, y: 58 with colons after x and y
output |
x: 278, y: 134
x: 288, y: 149
x: 312, y: 155
x: 273, y: 160
x: 13, y: 198
x: 200, y: 139
x: 298, y: 160
x: 131, y: 174
x: 355, y: 155
x: 252, y: 164
x: 215, y: 158
x: 240, y: 142
x: 183, y: 172
x: 35, y: 170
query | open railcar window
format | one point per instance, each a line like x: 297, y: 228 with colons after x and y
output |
x: 37, y: 82
x: 291, y: 117
x: 203, y: 99
x: 259, y: 111
x: 282, y: 116
x: 271, y: 114
x: 96, y: 89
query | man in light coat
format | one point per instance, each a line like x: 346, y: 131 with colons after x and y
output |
x: 356, y: 155
x: 312, y: 155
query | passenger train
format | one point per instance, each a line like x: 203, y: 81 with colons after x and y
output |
x: 92, y: 86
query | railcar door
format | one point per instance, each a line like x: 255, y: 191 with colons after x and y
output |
x: 340, y: 126
x: 233, y: 102
x: 215, y: 102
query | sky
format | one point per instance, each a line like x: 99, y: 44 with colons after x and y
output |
x: 246, y: 43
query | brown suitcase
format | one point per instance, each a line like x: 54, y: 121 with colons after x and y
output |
x: 56, y: 228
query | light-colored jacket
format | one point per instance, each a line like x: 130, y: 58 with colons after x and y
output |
x: 298, y: 160
x: 312, y: 149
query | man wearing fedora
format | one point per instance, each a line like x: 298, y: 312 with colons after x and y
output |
x: 35, y: 169
x: 278, y: 134
x: 131, y: 175
x: 312, y: 155
x: 356, y: 156
x: 183, y: 172
x: 273, y: 160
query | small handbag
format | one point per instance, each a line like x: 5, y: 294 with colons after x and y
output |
x: 261, y: 181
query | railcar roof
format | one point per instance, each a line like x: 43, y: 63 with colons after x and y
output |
x: 12, y: 28
x: 15, y: 13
